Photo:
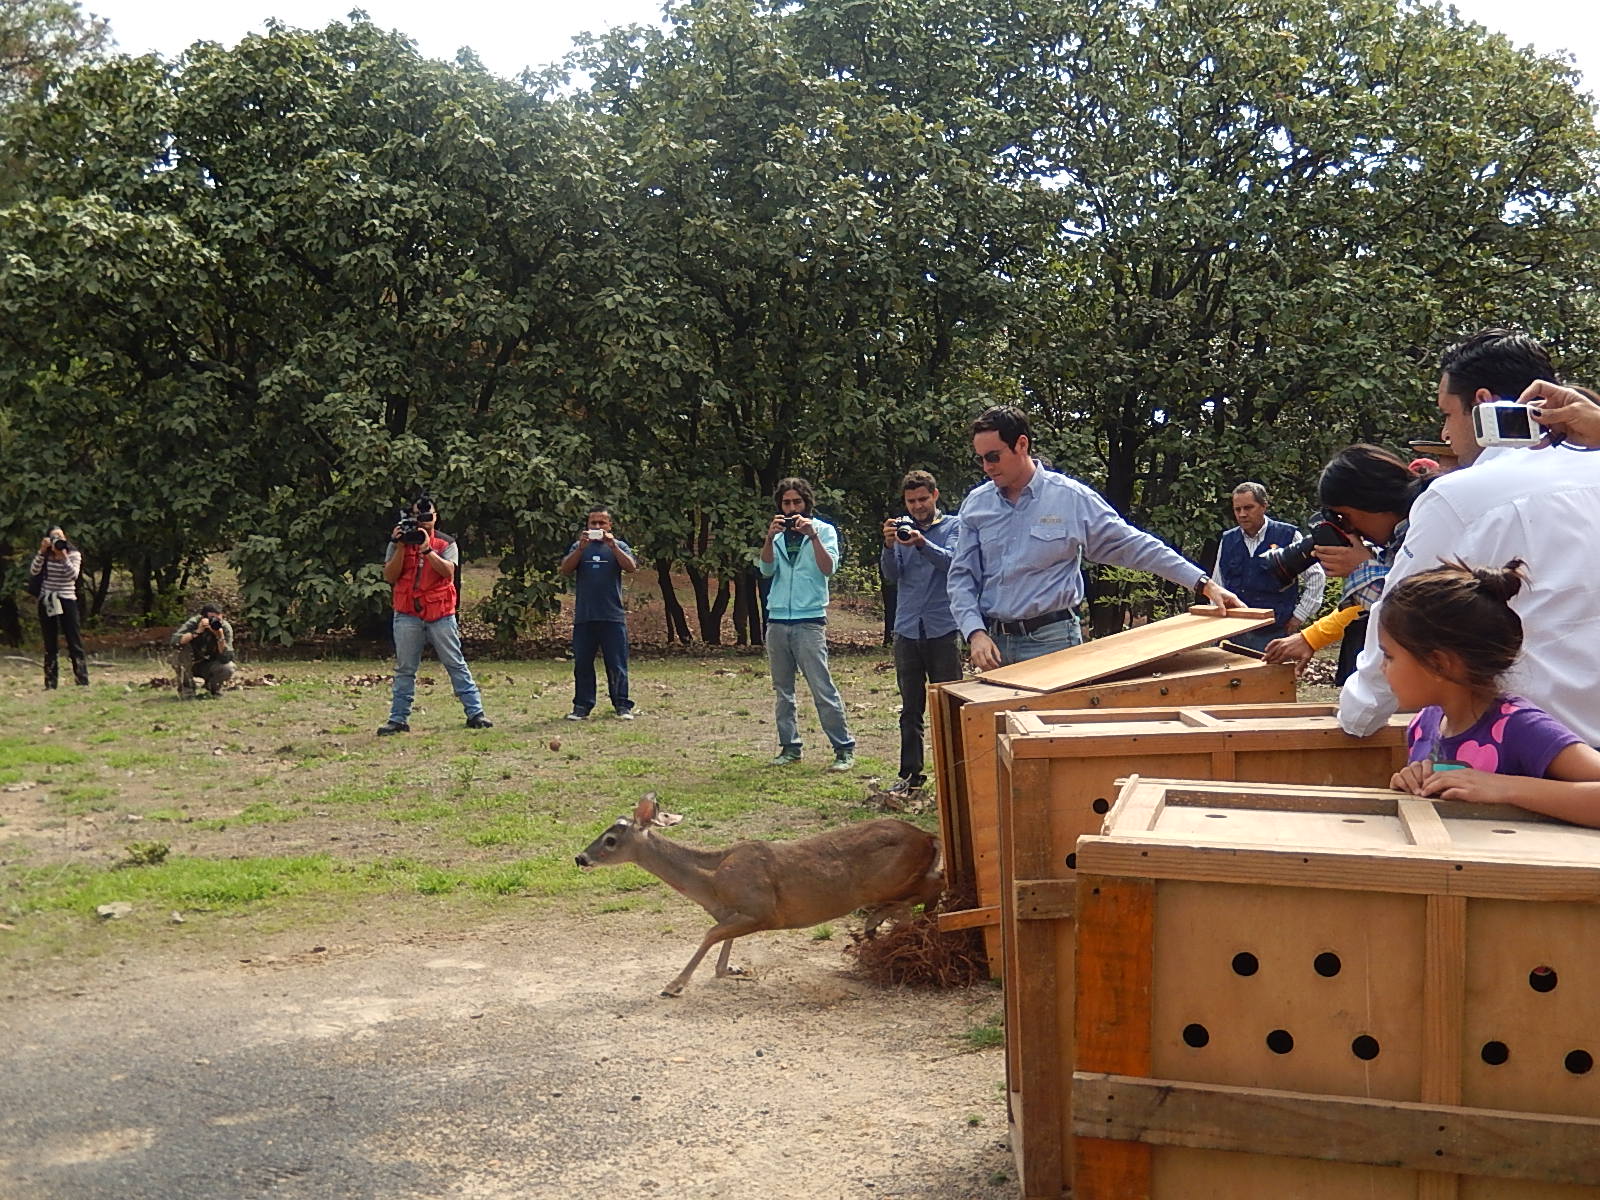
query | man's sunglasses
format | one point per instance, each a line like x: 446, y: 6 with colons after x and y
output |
x: 991, y: 457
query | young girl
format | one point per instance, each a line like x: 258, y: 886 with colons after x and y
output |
x: 1447, y: 636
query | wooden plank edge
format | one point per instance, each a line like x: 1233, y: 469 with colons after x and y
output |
x: 969, y: 918
x: 1495, y: 1143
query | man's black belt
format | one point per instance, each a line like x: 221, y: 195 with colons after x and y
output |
x: 1029, y: 624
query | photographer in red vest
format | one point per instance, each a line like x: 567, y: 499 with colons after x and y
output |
x: 421, y: 565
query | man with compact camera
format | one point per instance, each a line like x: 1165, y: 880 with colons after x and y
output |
x: 597, y: 562
x: 421, y: 564
x: 917, y: 549
x: 203, y: 646
x: 1539, y: 504
x: 1016, y: 580
x: 799, y: 556
x: 1260, y: 560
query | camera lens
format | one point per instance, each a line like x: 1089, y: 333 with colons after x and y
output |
x: 61, y: 543
x: 903, y: 532
x: 789, y: 522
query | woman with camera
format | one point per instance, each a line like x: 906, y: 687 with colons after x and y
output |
x: 53, y: 577
x: 1366, y: 491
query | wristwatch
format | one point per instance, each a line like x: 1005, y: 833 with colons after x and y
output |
x: 1202, y: 583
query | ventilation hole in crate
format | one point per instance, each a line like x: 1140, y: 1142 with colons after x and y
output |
x: 1579, y: 1062
x: 1502, y: 831
x: 1072, y: 861
x: 1196, y: 1035
x: 1218, y: 816
x: 1327, y: 964
x: 1355, y: 820
x: 1280, y: 1041
x: 1101, y: 805
x: 1543, y: 979
x: 1495, y: 1053
x: 1365, y: 1048
x: 1245, y: 963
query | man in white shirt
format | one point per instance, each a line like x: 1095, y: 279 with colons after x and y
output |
x: 1542, y: 506
x: 1245, y: 567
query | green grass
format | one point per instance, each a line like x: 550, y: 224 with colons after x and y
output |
x: 988, y: 1036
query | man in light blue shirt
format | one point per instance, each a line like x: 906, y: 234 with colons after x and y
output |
x: 917, y: 549
x: 1016, y: 580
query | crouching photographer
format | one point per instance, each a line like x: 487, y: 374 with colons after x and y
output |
x: 202, y: 647
x: 420, y: 564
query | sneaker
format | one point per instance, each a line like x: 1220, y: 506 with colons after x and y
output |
x: 784, y: 758
x: 844, y: 760
x: 575, y: 715
x: 479, y: 722
x: 390, y: 728
x: 625, y: 715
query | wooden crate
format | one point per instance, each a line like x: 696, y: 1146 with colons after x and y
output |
x: 963, y: 720
x: 1334, y: 994
x: 1059, y: 772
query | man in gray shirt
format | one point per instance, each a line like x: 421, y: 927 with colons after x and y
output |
x: 1016, y: 580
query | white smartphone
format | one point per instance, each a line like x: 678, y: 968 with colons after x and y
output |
x: 1505, y: 423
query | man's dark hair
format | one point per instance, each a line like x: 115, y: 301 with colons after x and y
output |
x: 210, y: 610
x: 1010, y: 423
x: 1369, y: 478
x: 1503, y: 361
x: 598, y: 508
x: 918, y: 479
x: 793, y: 484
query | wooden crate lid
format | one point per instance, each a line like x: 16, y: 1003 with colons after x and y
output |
x: 1186, y: 664
x: 1200, y: 626
x: 1351, y: 838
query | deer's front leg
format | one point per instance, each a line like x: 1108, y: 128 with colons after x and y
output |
x: 722, y: 963
x: 723, y: 931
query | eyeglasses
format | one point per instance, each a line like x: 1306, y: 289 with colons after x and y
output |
x: 991, y: 457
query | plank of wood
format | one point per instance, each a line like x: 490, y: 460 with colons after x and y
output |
x: 969, y: 918
x: 1389, y: 1133
x: 1122, y: 651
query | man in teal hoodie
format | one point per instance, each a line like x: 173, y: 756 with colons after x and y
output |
x: 799, y: 555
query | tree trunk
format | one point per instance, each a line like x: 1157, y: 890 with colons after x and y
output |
x: 891, y: 600
x: 709, y: 633
x: 747, y: 609
x: 101, y: 588
x: 719, y: 609
x: 677, y: 625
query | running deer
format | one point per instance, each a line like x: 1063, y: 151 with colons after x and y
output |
x: 886, y: 865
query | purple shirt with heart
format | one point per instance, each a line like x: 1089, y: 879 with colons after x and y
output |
x: 1511, y: 738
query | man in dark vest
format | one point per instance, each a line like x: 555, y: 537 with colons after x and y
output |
x: 1242, y: 567
x: 421, y: 567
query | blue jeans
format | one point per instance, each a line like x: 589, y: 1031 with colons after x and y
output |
x: 795, y: 646
x: 410, y: 632
x: 611, y: 639
x: 1047, y: 639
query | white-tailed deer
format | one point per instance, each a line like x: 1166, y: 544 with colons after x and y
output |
x: 886, y: 865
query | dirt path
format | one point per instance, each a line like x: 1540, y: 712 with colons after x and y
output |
x: 509, y: 1061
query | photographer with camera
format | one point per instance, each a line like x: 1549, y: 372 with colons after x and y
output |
x: 421, y: 564
x: 1260, y: 560
x: 597, y: 561
x: 53, y: 578
x: 799, y: 556
x: 203, y: 646
x: 917, y: 549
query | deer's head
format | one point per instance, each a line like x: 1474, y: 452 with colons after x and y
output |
x: 620, y: 842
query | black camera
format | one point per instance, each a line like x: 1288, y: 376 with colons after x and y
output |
x: 215, y: 623
x: 791, y: 521
x: 904, y: 527
x: 62, y: 544
x: 1290, y: 562
x: 421, y: 510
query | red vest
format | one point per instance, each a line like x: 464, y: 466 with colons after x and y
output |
x: 421, y: 591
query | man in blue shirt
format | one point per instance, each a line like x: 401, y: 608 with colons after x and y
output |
x: 799, y: 556
x: 1015, y: 581
x: 597, y: 560
x: 916, y: 556
x: 1243, y: 567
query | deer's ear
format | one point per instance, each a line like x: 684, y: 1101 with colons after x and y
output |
x: 664, y: 818
x: 644, y: 813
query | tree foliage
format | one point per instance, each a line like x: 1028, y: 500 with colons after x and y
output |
x: 255, y: 297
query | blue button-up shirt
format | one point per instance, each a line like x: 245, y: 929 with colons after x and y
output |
x: 1016, y: 561
x: 922, y: 607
